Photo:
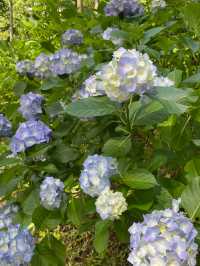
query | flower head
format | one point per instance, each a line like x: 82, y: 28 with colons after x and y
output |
x: 5, y: 126
x: 30, y: 105
x: 16, y: 246
x: 109, y: 34
x: 71, y: 37
x: 25, y: 67
x: 162, y: 82
x: 110, y: 205
x: 164, y: 238
x: 126, y: 8
x: 6, y: 215
x: 96, y: 173
x: 29, y: 134
x: 51, y: 191
x: 158, y: 4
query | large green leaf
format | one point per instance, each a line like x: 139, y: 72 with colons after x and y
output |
x: 117, y: 147
x: 149, y: 34
x: 191, y: 17
x: 91, y: 107
x: 191, y: 198
x: 49, y: 252
x: 139, y: 179
x: 192, y: 168
x: 101, y: 236
x: 193, y: 79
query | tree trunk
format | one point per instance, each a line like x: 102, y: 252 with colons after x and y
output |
x: 96, y: 4
x: 79, y: 4
x: 11, y: 32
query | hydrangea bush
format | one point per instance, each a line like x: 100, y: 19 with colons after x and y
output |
x: 104, y: 135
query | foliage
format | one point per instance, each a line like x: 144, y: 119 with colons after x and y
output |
x: 153, y: 136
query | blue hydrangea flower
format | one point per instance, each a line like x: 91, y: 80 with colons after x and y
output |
x: 42, y: 66
x: 71, y: 37
x: 25, y: 67
x: 16, y: 246
x: 109, y: 34
x: 65, y: 61
x: 110, y: 205
x: 95, y: 175
x: 5, y: 126
x: 6, y: 215
x: 30, y: 105
x: 164, y: 238
x: 51, y: 191
x: 125, y: 8
x: 28, y: 134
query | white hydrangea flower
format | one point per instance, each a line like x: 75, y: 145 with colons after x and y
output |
x: 110, y: 205
x: 163, y: 82
x: 158, y: 4
x: 130, y: 72
x: 109, y: 35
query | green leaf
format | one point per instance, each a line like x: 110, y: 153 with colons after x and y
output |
x: 191, y: 198
x: 49, y: 252
x: 52, y: 83
x: 176, y: 76
x: 192, y: 168
x: 31, y: 202
x: 75, y: 211
x: 139, y: 179
x: 19, y: 88
x: 149, y: 34
x: 91, y: 107
x: 174, y: 100
x: 193, y: 79
x: 117, y: 147
x: 191, y: 17
x: 101, y: 236
x: 44, y: 219
x: 65, y: 154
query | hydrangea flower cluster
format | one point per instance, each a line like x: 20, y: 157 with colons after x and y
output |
x: 28, y: 134
x: 95, y: 175
x: 71, y: 37
x: 92, y: 86
x: 63, y: 62
x: 165, y: 237
x: 158, y: 4
x: 109, y: 34
x: 51, y: 191
x: 6, y: 215
x: 110, y: 205
x: 16, y: 244
x: 130, y: 72
x: 163, y: 82
x: 5, y: 126
x: 125, y: 8
x: 30, y: 105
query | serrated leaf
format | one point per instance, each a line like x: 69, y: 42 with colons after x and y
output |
x: 139, y: 179
x: 101, y: 236
x: 191, y: 198
x: 91, y: 107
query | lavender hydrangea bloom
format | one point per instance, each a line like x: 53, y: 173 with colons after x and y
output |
x: 164, y: 238
x: 6, y: 215
x: 28, y: 134
x: 16, y: 246
x: 71, y: 37
x: 25, y: 67
x: 95, y: 175
x: 125, y: 8
x: 65, y: 61
x: 109, y: 34
x: 42, y: 66
x: 110, y: 205
x: 5, y: 126
x: 92, y: 86
x: 30, y: 105
x: 51, y: 191
x: 130, y: 72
